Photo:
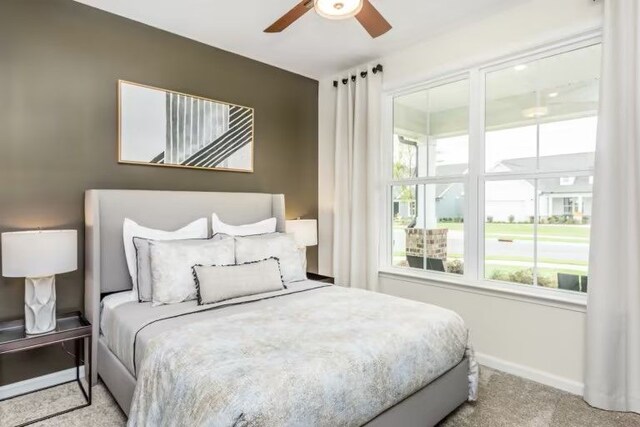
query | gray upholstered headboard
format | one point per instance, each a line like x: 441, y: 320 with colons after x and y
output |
x: 105, y: 211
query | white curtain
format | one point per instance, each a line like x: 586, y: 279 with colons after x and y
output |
x: 612, y: 379
x: 357, y: 166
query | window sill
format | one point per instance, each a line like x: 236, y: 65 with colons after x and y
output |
x: 541, y: 296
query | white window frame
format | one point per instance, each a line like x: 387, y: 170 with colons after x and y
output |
x: 474, y: 181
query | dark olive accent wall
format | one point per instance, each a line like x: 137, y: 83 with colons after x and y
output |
x: 59, y: 66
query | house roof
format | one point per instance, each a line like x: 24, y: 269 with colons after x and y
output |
x: 449, y: 170
x: 578, y: 161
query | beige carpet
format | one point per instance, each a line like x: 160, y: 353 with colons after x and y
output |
x: 504, y: 400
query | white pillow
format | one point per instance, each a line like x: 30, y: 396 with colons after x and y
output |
x: 130, y: 229
x: 171, y: 266
x: 262, y: 227
x: 277, y: 245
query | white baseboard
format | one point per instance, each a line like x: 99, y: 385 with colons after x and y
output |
x: 532, y: 374
x: 33, y: 384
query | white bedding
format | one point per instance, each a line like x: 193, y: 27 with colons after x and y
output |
x: 331, y: 356
x: 124, y: 319
x: 338, y: 344
x: 107, y: 308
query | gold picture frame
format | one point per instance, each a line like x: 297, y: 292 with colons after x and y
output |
x: 162, y: 127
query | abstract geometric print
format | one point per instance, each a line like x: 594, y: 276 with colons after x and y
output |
x: 195, y: 132
x: 204, y: 133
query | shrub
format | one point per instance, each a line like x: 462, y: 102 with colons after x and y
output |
x: 524, y: 276
x: 446, y: 220
x: 456, y: 266
x: 499, y: 275
x: 546, y: 281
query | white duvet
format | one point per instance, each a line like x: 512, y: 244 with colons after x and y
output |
x: 326, y: 357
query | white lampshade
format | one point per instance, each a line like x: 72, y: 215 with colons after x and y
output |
x: 338, y: 9
x: 39, y: 253
x: 305, y: 231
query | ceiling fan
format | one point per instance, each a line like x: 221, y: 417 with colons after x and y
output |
x: 362, y: 10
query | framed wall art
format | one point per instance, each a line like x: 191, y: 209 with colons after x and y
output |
x: 161, y: 127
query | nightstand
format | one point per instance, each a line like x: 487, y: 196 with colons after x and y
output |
x: 71, y: 327
x: 320, y: 278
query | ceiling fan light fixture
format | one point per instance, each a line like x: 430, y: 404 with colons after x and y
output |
x: 535, y: 112
x: 338, y: 9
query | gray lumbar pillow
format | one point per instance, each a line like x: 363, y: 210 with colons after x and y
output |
x: 220, y: 283
x: 172, y: 262
x: 277, y: 245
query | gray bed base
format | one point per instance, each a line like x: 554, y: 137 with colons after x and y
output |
x: 424, y: 408
x: 106, y: 272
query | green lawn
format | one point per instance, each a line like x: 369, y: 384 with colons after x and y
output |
x: 525, y: 231
x: 540, y: 260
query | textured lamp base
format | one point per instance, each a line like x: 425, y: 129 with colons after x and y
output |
x: 40, y: 305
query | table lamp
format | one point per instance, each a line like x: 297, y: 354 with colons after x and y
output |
x: 38, y: 256
x: 305, y: 231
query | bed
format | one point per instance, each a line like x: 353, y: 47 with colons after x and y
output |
x: 361, y: 358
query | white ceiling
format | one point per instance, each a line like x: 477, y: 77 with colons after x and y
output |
x: 313, y: 46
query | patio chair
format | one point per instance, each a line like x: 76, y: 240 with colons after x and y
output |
x: 435, y: 264
x: 584, y: 283
x: 570, y: 282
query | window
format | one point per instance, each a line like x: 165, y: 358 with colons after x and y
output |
x: 499, y: 189
x: 430, y: 163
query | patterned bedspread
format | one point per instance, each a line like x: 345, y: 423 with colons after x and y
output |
x: 329, y: 357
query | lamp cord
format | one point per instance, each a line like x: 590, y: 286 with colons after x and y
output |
x: 71, y: 354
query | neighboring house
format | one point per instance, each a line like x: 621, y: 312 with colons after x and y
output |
x: 450, y: 197
x: 403, y: 208
x: 566, y: 196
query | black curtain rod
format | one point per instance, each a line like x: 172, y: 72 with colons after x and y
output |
x: 378, y: 68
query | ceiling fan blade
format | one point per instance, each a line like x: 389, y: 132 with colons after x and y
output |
x: 290, y: 17
x: 372, y: 20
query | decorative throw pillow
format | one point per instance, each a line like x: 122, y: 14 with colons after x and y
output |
x: 130, y: 229
x: 145, y: 284
x: 220, y: 283
x: 277, y: 245
x: 262, y: 227
x: 145, y: 288
x: 171, y: 263
x: 143, y: 269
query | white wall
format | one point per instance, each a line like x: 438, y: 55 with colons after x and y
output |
x: 540, y: 340
x: 525, y: 25
x: 326, y: 124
